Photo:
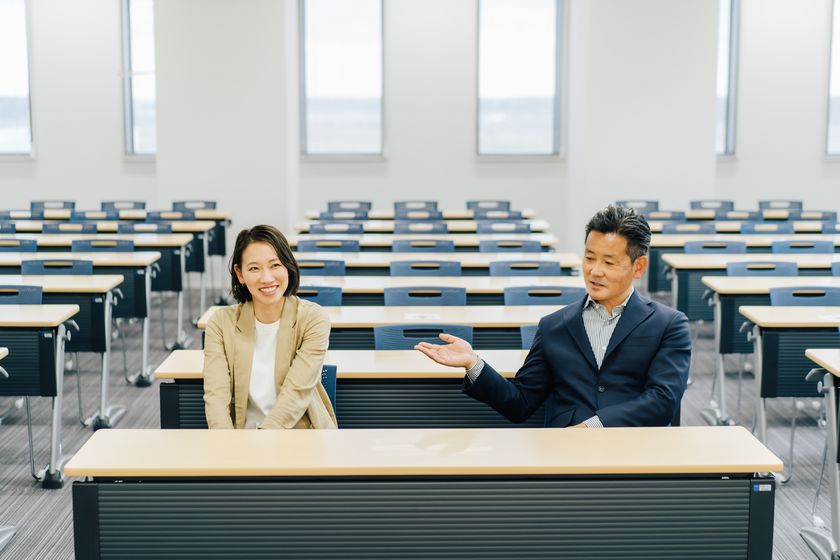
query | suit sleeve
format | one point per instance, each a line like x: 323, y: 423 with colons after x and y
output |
x: 300, y: 385
x: 516, y: 399
x: 666, y: 382
x: 217, y: 378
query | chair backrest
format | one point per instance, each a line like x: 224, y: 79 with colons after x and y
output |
x: 170, y: 215
x: 98, y: 245
x: 503, y: 227
x: 829, y: 227
x: 193, y: 205
x: 509, y: 246
x: 68, y: 227
x: 814, y: 215
x: 344, y: 245
x: 419, y: 215
x: 497, y: 215
x: 56, y: 266
x: 780, y: 204
x: 143, y: 227
x: 526, y: 335
x: 525, y: 268
x: 405, y: 337
x: 805, y: 295
x: 663, y: 215
x: 488, y: 205
x: 329, y: 296
x: 403, y: 206
x: 425, y: 295
x: 804, y: 246
x: 712, y: 204
x: 767, y: 227
x: 328, y: 375
x: 310, y: 267
x: 333, y: 215
x: 640, y: 206
x: 8, y: 227
x: 337, y: 227
x: 420, y: 227
x: 20, y: 295
x: 762, y: 268
x: 695, y: 247
x: 543, y: 295
x: 687, y: 228
x: 85, y: 215
x: 122, y: 205
x: 423, y: 246
x: 352, y: 205
x: 18, y: 246
x: 425, y: 268
x: 835, y: 268
x: 41, y: 205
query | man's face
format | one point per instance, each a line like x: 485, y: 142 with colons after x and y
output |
x: 607, y: 268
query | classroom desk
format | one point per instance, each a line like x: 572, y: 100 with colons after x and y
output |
x: 780, y: 337
x: 494, y: 326
x: 483, y: 290
x: 64, y: 214
x: 823, y: 542
x: 452, y: 226
x: 35, y: 336
x: 735, y: 215
x: 374, y: 389
x: 374, y: 214
x: 464, y: 242
x: 472, y: 264
x: 734, y: 226
x: 420, y: 494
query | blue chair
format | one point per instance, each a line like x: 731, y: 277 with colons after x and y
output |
x: 56, y: 266
x: 802, y: 247
x: 835, y: 268
x: 425, y: 268
x: 425, y: 295
x: 829, y: 227
x: 63, y: 227
x: 349, y: 205
x: 640, y: 206
x: 41, y: 205
x: 8, y: 227
x: 526, y: 335
x: 193, y: 205
x: 405, y: 206
x: 497, y: 215
x: 99, y: 245
x: 666, y: 215
x: 406, y: 337
x: 337, y: 227
x: 419, y: 215
x: 815, y: 215
x: 18, y: 246
x: 488, y: 205
x: 85, y: 215
x: 543, y: 295
x: 700, y: 247
x: 742, y: 215
x: 420, y: 227
x: 525, y: 268
x: 779, y: 204
x: 687, y: 228
x: 310, y: 267
x: 712, y: 204
x: 331, y: 216
x: 328, y: 375
x: 805, y: 295
x: 762, y: 268
x: 20, y: 295
x: 329, y: 296
x: 768, y: 228
x: 118, y: 205
x: 503, y: 227
x: 170, y: 215
x: 509, y: 246
x: 423, y: 246
x: 332, y: 245
x: 143, y: 227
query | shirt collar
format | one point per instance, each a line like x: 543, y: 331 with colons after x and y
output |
x: 617, y: 310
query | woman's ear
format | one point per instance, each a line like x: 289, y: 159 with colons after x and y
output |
x: 238, y: 274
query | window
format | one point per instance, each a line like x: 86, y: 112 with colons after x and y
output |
x: 139, y: 77
x: 833, y: 142
x: 342, y: 76
x: 519, y: 77
x: 726, y: 72
x: 15, y: 120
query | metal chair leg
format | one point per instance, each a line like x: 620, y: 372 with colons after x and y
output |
x: 782, y: 477
x: 79, y: 393
x: 31, y: 445
x: 162, y: 323
x: 740, y: 390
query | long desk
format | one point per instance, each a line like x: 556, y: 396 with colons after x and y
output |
x: 464, y: 242
x: 709, y: 214
x: 734, y: 226
x: 420, y: 494
x: 472, y: 264
x: 452, y: 226
x: 375, y: 389
x: 35, y: 336
x: 451, y: 214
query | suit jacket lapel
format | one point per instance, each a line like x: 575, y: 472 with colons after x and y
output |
x: 285, y: 341
x: 243, y: 358
x: 578, y: 332
x: 637, y: 310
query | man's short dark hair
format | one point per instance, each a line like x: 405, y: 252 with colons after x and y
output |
x: 272, y: 236
x: 626, y: 223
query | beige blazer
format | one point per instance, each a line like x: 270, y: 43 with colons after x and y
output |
x: 302, y: 341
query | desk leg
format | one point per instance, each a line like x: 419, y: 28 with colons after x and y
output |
x: 106, y: 416
x: 716, y: 413
x: 181, y: 340
x: 205, y: 246
x: 53, y: 475
x: 761, y: 402
x: 143, y: 378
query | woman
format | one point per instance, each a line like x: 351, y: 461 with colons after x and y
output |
x: 263, y: 357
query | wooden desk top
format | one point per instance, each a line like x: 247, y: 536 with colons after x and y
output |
x: 36, y: 226
x: 826, y: 358
x: 453, y: 226
x: 140, y: 239
x: 681, y: 261
x: 3, y: 352
x: 360, y: 364
x: 71, y: 284
x: 363, y: 316
x: 473, y: 284
x: 767, y: 316
x: 761, y: 284
x: 467, y: 260
x: 374, y: 214
x: 662, y: 240
x: 462, y: 239
x: 137, y: 259
x: 36, y: 315
x: 407, y: 452
x: 734, y: 226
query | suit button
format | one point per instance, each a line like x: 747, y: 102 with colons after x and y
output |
x: 601, y: 388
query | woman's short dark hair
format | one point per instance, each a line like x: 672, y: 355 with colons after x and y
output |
x: 272, y: 236
x: 626, y: 223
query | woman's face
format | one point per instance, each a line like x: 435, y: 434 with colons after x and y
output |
x: 263, y: 273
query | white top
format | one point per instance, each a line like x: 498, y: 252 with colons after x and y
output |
x: 261, y: 394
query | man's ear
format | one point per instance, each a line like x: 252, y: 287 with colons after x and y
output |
x: 639, y: 266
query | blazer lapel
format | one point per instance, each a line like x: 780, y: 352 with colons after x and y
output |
x: 578, y: 332
x: 637, y: 310
x: 243, y: 358
x: 285, y: 341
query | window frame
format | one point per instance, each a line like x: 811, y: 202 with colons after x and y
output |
x: 732, y: 93
x: 129, y: 149
x: 17, y: 156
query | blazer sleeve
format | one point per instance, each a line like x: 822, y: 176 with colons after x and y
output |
x: 299, y: 387
x: 217, y: 379
x: 518, y: 398
x: 666, y: 381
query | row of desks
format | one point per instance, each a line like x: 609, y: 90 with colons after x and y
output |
x: 451, y: 214
x: 463, y: 242
x: 452, y: 226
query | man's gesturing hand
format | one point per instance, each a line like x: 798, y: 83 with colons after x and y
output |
x: 455, y: 353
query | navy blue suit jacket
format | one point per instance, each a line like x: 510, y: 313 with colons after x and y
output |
x: 640, y: 383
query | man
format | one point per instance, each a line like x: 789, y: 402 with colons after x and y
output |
x: 613, y: 359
